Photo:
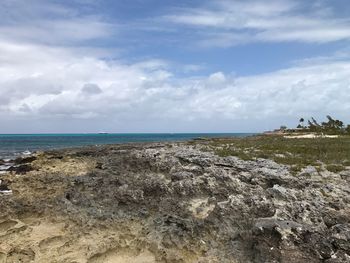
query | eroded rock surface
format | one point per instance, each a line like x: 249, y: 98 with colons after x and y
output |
x: 170, y: 202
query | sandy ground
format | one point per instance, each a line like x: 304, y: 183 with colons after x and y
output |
x: 309, y: 136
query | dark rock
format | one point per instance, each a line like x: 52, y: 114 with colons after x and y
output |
x: 334, y: 217
x: 99, y: 165
x: 340, y: 235
x: 3, y: 186
x: 25, y: 160
x: 21, y: 169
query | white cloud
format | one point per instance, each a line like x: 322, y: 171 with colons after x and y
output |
x: 59, y: 31
x: 227, y: 23
x: 56, y: 85
x: 47, y: 22
x: 217, y: 78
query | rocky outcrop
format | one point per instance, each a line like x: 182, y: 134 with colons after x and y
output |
x: 170, y: 202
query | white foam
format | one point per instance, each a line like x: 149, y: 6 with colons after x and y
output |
x: 26, y: 152
x: 5, y: 167
x: 6, y: 192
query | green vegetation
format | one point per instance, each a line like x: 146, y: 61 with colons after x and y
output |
x: 332, y: 154
x: 331, y: 126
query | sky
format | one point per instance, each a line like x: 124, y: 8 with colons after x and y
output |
x: 71, y: 66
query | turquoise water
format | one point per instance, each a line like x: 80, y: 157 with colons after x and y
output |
x: 12, y: 145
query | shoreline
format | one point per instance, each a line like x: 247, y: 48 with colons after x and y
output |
x: 42, y: 142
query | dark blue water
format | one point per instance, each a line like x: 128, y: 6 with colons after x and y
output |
x: 14, y: 145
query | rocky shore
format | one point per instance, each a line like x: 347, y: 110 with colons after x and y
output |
x: 169, y: 202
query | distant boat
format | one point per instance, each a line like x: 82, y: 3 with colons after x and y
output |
x: 103, y: 133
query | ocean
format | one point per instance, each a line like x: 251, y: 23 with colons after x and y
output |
x: 14, y: 145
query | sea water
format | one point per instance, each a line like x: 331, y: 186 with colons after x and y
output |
x: 13, y: 145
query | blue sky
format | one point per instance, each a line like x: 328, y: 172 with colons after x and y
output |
x: 171, y: 66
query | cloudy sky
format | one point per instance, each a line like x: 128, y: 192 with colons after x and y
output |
x: 171, y: 66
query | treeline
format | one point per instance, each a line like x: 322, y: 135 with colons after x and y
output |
x: 332, y: 126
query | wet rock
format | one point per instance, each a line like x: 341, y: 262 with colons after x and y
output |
x: 25, y: 160
x: 20, y: 169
